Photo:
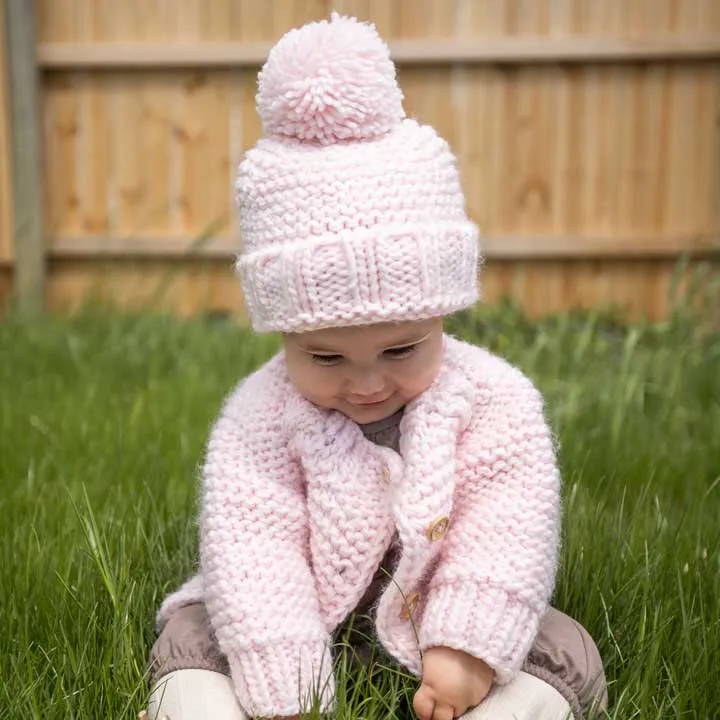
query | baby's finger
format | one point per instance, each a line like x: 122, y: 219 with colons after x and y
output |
x: 424, y: 703
x: 443, y: 711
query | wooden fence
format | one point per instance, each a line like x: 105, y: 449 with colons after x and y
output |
x: 588, y: 135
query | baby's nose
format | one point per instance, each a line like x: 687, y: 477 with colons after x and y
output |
x: 366, y: 385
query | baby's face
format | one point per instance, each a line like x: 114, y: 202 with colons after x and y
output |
x: 368, y: 372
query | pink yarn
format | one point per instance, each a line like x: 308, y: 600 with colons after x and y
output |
x: 350, y: 212
x: 298, y: 508
x: 329, y: 81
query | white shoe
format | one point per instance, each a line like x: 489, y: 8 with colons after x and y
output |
x: 194, y: 695
x: 525, y: 698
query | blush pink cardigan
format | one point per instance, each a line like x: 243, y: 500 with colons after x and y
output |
x: 298, y: 509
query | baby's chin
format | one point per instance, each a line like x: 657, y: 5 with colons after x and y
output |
x: 364, y: 414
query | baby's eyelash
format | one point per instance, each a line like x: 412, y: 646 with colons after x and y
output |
x: 325, y: 359
x: 400, y: 352
x: 394, y: 353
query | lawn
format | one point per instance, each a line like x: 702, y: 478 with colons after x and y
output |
x: 102, y: 426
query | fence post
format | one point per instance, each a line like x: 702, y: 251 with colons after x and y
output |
x: 28, y: 230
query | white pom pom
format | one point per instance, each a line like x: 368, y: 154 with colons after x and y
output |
x: 329, y: 81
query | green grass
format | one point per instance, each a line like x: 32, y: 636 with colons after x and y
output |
x: 102, y: 426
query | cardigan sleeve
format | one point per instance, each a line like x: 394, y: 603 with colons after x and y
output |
x: 498, y: 564
x: 259, y: 588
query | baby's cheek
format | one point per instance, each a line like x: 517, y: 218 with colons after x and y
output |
x: 315, y: 392
x: 417, y: 383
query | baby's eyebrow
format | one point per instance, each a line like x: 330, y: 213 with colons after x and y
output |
x: 405, y: 342
x: 412, y: 340
x: 315, y: 349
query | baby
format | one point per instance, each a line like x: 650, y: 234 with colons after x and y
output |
x: 375, y: 464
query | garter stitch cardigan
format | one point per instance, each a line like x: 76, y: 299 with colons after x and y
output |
x: 299, y: 509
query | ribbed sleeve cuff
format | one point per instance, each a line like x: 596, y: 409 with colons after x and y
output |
x: 283, y: 679
x: 483, y: 621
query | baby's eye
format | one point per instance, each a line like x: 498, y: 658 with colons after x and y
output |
x: 326, y: 359
x: 400, y: 352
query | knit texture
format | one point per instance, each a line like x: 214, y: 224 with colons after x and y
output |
x: 328, y: 82
x: 299, y: 508
x: 350, y: 212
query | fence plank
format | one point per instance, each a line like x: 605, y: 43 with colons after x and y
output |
x: 93, y: 156
x: 256, y: 20
x: 62, y: 128
x: 29, y: 282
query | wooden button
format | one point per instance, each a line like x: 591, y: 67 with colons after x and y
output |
x: 385, y: 472
x: 438, y: 528
x: 409, y: 606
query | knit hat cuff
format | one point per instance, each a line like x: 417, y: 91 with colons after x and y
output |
x: 408, y: 271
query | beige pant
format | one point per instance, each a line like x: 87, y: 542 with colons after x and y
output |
x: 208, y: 695
x: 563, y: 662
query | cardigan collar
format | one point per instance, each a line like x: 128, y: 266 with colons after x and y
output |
x: 358, y: 490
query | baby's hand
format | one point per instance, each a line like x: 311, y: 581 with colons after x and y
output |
x: 452, y: 682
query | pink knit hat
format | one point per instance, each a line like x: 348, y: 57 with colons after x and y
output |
x: 350, y: 212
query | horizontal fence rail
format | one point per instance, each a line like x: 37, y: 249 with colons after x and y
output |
x: 521, y: 50
x: 507, y: 247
